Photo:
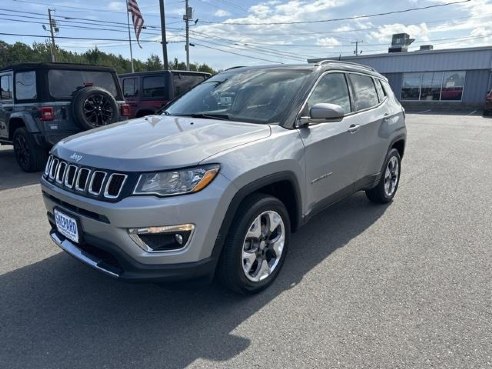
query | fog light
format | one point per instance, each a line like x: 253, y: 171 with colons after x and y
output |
x: 162, y: 238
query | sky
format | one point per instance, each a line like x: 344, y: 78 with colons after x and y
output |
x: 228, y: 33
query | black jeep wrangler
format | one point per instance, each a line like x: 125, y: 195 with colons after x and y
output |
x: 42, y: 103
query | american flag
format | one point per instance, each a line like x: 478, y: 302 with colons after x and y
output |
x: 137, y: 18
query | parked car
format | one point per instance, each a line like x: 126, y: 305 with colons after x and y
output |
x: 148, y: 92
x: 487, y: 110
x: 217, y: 183
x: 41, y: 103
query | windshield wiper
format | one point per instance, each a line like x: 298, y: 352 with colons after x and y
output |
x: 209, y: 116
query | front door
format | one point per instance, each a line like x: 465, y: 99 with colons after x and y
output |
x: 6, y: 102
x: 330, y: 160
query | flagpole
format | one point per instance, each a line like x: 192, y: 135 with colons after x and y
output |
x: 129, y: 35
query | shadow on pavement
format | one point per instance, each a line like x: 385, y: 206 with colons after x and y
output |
x: 11, y: 175
x: 58, y: 313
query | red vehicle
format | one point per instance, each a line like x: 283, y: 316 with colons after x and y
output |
x: 488, y: 104
x: 147, y: 92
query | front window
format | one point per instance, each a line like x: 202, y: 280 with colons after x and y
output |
x: 256, y: 96
x: 63, y: 82
x: 25, y: 85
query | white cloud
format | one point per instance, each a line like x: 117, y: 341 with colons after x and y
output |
x: 329, y: 42
x: 117, y: 6
x: 222, y: 13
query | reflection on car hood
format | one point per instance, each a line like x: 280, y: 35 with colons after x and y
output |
x: 157, y: 142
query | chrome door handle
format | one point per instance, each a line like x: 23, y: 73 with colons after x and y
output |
x: 354, y: 128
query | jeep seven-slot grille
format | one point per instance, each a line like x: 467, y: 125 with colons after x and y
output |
x: 83, y: 180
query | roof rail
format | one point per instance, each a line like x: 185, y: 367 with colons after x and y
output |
x: 237, y: 66
x: 331, y: 61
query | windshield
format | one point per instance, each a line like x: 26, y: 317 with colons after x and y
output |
x: 256, y: 96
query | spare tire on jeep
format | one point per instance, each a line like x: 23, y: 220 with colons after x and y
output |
x: 94, y: 107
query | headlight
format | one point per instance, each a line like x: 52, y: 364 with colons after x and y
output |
x: 176, y: 182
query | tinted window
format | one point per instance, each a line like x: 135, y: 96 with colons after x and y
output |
x: 25, y: 85
x: 6, y: 85
x: 63, y: 83
x: 130, y: 87
x: 380, y: 89
x: 155, y: 86
x: 332, y: 88
x: 364, y: 91
x: 185, y: 82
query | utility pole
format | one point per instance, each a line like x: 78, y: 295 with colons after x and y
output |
x: 187, y: 17
x: 356, y: 52
x: 52, y: 29
x: 163, y: 35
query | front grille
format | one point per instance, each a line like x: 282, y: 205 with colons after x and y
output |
x: 92, y: 182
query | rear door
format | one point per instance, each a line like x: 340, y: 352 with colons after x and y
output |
x: 371, y: 116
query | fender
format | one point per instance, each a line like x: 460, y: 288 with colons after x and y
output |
x: 249, y: 189
x: 28, y: 120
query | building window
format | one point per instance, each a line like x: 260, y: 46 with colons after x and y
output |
x: 433, y: 86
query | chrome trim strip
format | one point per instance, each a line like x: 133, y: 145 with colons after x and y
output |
x: 135, y: 232
x: 77, y: 182
x: 54, y: 165
x: 89, y: 189
x: 81, y: 255
x: 70, y: 185
x: 57, y: 176
x: 48, y: 165
x: 108, y: 196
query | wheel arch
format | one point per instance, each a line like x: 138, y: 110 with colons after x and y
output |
x: 282, y: 185
x: 21, y: 120
x: 399, y: 144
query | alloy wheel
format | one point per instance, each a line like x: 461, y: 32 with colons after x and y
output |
x: 391, y: 176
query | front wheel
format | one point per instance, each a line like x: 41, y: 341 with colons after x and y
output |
x: 256, y: 246
x: 385, y: 190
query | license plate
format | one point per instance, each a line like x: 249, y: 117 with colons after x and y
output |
x: 67, y: 226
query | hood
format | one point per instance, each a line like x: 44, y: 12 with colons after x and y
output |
x: 157, y: 142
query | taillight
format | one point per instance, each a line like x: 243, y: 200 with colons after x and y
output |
x: 46, y: 113
x: 125, y: 110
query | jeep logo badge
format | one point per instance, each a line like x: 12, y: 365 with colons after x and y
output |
x: 76, y: 157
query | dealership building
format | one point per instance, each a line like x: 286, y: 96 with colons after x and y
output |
x: 427, y: 78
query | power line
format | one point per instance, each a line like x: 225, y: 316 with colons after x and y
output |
x: 340, y: 19
x: 232, y: 52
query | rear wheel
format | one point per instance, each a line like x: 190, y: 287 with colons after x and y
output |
x: 390, y: 178
x: 256, y: 246
x: 29, y: 156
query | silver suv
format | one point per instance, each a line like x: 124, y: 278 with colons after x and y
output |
x: 217, y: 183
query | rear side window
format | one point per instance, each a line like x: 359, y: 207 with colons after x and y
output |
x: 380, y: 89
x: 6, y: 85
x: 365, y: 92
x: 130, y: 88
x: 332, y: 88
x: 185, y: 82
x: 155, y: 86
x: 63, y: 82
x: 25, y: 85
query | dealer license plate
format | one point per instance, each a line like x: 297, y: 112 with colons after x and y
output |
x: 67, y: 226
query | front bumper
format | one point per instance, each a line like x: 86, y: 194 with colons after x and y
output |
x: 110, y: 260
x: 107, y: 246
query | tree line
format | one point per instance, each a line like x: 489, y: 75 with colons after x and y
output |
x: 19, y: 52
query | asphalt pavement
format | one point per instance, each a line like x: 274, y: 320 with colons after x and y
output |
x: 407, y: 285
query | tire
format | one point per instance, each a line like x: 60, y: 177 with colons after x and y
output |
x: 94, y: 107
x: 29, y: 156
x: 486, y: 113
x: 385, y: 190
x: 251, y: 260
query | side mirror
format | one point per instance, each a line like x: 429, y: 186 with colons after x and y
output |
x: 322, y: 112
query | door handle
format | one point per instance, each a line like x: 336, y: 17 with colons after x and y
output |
x: 354, y: 128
